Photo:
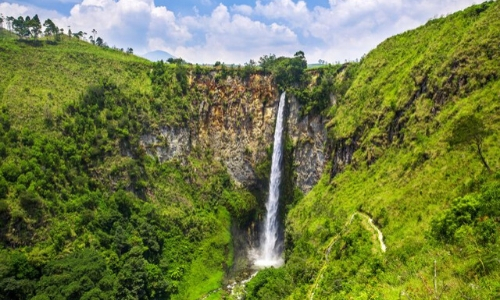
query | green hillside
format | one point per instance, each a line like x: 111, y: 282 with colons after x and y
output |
x: 85, y: 213
x: 413, y: 151
x: 418, y: 107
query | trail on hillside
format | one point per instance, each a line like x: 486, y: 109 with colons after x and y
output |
x: 380, y: 237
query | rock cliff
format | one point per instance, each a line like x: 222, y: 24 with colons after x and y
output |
x: 235, y: 119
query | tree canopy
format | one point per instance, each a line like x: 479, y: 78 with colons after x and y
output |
x: 287, y: 72
x: 468, y: 130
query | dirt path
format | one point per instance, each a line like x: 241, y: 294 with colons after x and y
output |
x: 380, y: 237
x: 383, y: 247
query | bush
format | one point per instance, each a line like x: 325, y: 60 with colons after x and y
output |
x: 479, y: 213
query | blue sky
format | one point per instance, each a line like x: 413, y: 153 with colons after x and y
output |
x: 205, y: 31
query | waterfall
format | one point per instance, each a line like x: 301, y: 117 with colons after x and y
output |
x: 269, y: 252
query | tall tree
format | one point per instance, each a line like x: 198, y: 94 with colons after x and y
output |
x: 50, y: 28
x: 266, y: 62
x: 470, y: 130
x: 78, y: 35
x: 1, y: 21
x: 10, y: 20
x: 35, y: 27
x: 94, y: 32
x: 99, y: 42
x: 20, y: 26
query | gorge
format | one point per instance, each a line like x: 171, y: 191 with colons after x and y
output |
x: 122, y: 178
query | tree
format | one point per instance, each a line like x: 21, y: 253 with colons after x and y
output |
x: 99, y: 42
x: 176, y: 61
x: 34, y: 26
x: 1, y: 21
x: 470, y: 130
x: 10, y: 20
x: 130, y: 51
x: 300, y: 57
x: 248, y: 69
x: 50, y: 28
x: 20, y: 28
x: 78, y: 35
x: 266, y: 62
x: 92, y: 38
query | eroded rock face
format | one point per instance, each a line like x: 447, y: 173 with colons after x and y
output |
x: 309, y: 137
x: 235, y: 120
x: 168, y: 144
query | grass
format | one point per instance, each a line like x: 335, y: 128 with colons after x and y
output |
x: 49, y: 77
x: 72, y: 116
x: 74, y: 177
x: 405, y: 99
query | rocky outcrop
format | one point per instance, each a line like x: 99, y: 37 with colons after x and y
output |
x: 235, y: 119
x: 342, y: 153
x: 309, y: 136
x: 168, y: 144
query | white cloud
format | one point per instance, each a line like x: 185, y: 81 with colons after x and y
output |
x: 16, y: 10
x: 232, y: 38
x: 296, y: 14
x: 343, y: 29
x: 8, y: 9
x: 245, y: 10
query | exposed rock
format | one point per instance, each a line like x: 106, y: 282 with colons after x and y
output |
x: 236, y: 121
x: 309, y: 137
x: 342, y: 153
x: 170, y: 143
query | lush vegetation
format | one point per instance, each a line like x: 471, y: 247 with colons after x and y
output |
x: 85, y: 213
x: 418, y: 117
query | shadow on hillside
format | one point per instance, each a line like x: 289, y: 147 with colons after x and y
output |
x: 33, y: 43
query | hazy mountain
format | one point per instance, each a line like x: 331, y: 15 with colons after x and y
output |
x: 158, y: 55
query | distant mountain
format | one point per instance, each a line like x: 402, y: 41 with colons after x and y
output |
x: 158, y: 55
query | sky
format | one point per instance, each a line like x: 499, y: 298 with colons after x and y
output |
x: 206, y: 31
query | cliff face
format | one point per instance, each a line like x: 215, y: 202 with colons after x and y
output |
x: 309, y: 137
x: 235, y: 120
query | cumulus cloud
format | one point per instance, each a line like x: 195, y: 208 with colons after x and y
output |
x: 245, y: 10
x: 127, y: 23
x: 295, y: 14
x: 233, y: 38
x: 15, y: 10
x: 338, y: 30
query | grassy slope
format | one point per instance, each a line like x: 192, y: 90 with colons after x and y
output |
x: 48, y: 77
x: 414, y: 179
x: 42, y: 92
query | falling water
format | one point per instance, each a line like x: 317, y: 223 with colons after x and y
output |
x: 269, y: 254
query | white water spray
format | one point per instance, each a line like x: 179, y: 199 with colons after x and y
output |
x: 269, y: 253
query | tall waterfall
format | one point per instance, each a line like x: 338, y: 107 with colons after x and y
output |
x: 269, y: 252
